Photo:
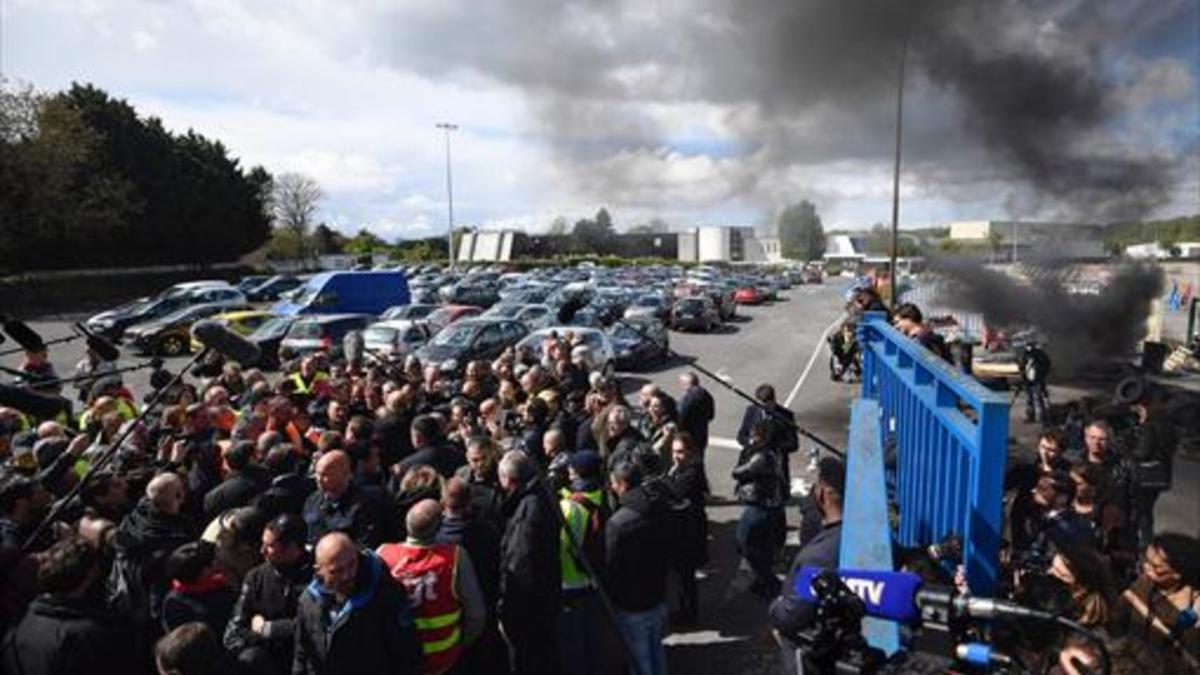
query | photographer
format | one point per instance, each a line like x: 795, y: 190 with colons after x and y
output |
x: 1152, y: 452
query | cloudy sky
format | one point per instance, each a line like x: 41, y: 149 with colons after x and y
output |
x: 693, y: 111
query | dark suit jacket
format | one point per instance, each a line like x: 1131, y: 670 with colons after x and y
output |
x: 782, y: 436
x: 696, y: 411
x: 239, y: 489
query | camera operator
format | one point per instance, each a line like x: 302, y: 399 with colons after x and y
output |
x: 1151, y: 451
x: 790, y: 615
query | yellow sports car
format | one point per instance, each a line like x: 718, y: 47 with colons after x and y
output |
x: 242, y: 322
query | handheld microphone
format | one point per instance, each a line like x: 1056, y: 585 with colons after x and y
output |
x: 105, y: 349
x: 217, y: 336
x: 32, y: 403
x: 900, y: 596
x: 23, y: 335
x: 1185, y: 620
x: 980, y: 654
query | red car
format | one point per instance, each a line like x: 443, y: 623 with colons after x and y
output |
x: 749, y: 295
x: 448, y: 314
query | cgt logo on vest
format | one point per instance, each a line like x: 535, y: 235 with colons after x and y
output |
x: 421, y: 588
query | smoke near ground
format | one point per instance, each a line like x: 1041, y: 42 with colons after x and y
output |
x: 1048, y: 100
x: 1081, y: 329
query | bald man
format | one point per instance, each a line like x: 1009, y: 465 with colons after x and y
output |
x: 353, y: 618
x: 363, y: 512
x: 440, y: 581
x: 145, y: 538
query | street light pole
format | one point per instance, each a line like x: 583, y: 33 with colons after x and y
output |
x: 447, y: 128
x: 896, y: 174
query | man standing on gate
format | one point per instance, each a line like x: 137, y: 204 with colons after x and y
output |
x: 441, y: 585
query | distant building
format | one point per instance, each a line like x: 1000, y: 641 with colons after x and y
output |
x: 1012, y: 241
x: 727, y: 244
x: 1153, y: 251
x: 844, y: 249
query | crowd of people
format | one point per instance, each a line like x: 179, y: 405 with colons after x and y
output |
x: 376, y: 516
x: 1079, y: 538
x: 353, y: 517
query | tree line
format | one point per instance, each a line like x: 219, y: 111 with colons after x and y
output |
x: 87, y: 182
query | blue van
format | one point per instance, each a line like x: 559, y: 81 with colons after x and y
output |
x: 368, y: 292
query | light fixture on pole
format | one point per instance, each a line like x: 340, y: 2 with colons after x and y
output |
x: 447, y: 128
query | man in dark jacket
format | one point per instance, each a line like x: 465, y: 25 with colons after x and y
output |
x: 530, y: 575
x: 22, y: 503
x: 637, y: 556
x: 621, y: 440
x: 687, y: 481
x: 149, y: 534
x: 353, y: 617
x: 245, y: 480
x: 788, y: 613
x: 262, y: 630
x: 696, y: 411
x: 363, y: 512
x: 781, y: 426
x: 430, y: 449
x: 68, y: 629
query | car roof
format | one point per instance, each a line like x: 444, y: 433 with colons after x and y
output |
x: 398, y: 324
x: 331, y: 318
x: 486, y: 321
x: 578, y: 330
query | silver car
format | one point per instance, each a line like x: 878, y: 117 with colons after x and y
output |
x: 603, y: 355
x: 394, y: 338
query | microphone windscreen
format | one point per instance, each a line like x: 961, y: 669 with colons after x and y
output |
x: 233, y: 346
x: 34, y: 404
x: 25, y: 336
x: 103, y: 348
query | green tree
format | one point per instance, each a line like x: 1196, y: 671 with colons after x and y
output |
x: 558, y: 226
x: 327, y: 241
x: 801, y: 235
x: 365, y: 243
x: 594, y: 235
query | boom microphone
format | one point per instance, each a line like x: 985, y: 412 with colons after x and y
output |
x: 23, y: 335
x: 104, y: 349
x: 217, y: 336
x: 32, y: 403
x: 899, y: 596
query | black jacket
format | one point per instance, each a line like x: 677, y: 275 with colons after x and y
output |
x: 64, y: 636
x: 790, y: 614
x: 696, y: 411
x: 759, y: 476
x: 274, y: 593
x: 239, y: 489
x: 143, y: 541
x: 286, y: 494
x: 481, y: 540
x: 444, y: 459
x: 364, y: 513
x: 530, y: 573
x: 782, y: 435
x: 372, y: 632
x: 689, y: 482
x: 638, y: 543
x: 211, y: 606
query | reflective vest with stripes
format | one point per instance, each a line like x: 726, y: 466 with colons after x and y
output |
x: 578, y: 517
x: 427, y: 574
x: 303, y: 387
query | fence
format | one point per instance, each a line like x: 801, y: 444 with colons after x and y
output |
x: 943, y: 440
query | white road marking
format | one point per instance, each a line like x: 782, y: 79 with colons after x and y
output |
x: 726, y: 443
x: 811, y: 360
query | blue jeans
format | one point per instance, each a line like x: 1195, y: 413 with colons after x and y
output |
x: 644, y: 632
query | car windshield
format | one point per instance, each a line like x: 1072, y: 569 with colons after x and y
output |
x: 691, y: 304
x: 441, y: 316
x: 307, y: 295
x: 185, y: 313
x: 305, y: 330
x: 623, y: 331
x: 454, y: 336
x: 380, y: 334
x: 506, y: 311
x: 649, y: 301
x: 273, y: 328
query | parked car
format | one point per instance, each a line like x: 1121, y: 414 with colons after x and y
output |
x: 113, y: 323
x: 395, y: 337
x: 272, y: 289
x: 649, y: 304
x: 170, y: 335
x: 534, y: 316
x: 481, y: 293
x: 243, y: 322
x: 448, y: 314
x: 639, y: 342
x: 468, y: 340
x: 813, y: 275
x: 695, y: 313
x: 416, y: 310
x: 267, y: 338
x: 367, y: 292
x: 603, y: 354
x: 193, y: 287
x: 322, y: 333
x: 750, y: 295
x: 247, y: 284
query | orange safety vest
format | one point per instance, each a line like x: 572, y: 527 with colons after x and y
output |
x: 427, y: 575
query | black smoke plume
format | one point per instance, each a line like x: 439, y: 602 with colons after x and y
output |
x: 1081, y: 329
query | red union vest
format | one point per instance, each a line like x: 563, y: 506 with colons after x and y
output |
x: 427, y: 575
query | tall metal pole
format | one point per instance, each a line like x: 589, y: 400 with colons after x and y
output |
x: 448, y: 127
x: 896, y: 173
